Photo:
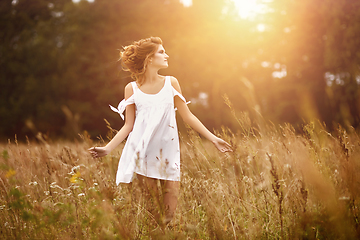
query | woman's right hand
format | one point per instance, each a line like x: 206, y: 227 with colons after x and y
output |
x: 97, y: 152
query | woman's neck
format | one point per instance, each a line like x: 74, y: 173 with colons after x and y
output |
x: 151, y: 75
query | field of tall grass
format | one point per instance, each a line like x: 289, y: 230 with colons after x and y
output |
x: 276, y: 184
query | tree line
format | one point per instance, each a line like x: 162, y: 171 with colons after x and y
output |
x: 296, y: 62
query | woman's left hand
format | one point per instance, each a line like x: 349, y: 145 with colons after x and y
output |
x: 222, y: 146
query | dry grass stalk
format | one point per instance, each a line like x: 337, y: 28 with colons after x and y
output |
x: 274, y: 185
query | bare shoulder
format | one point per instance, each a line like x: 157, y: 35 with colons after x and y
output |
x: 175, y: 83
x: 128, y: 91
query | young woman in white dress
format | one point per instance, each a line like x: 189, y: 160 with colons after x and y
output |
x: 152, y: 148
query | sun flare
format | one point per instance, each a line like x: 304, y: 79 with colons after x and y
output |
x: 248, y: 8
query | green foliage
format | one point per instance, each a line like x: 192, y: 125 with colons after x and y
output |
x: 5, y: 155
x: 59, y: 65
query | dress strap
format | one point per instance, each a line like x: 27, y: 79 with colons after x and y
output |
x: 122, y: 105
x: 134, y: 86
x: 176, y: 93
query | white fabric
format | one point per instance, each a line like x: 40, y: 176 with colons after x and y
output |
x: 152, y: 148
x: 122, y: 105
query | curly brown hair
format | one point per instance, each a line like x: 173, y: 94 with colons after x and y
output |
x: 134, y: 58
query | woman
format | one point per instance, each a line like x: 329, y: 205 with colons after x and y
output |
x: 152, y: 148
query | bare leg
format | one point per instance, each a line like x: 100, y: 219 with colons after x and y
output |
x: 152, y: 196
x: 161, y: 207
x: 170, y: 191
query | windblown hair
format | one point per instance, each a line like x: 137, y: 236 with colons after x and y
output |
x: 135, y: 57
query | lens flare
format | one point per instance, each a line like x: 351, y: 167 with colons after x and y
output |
x: 248, y: 8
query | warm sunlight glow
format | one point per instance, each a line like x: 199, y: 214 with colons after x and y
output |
x: 248, y: 8
x: 260, y: 27
x: 186, y: 3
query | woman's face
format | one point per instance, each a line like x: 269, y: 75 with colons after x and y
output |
x: 160, y: 58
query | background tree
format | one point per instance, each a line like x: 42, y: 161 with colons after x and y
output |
x: 59, y: 69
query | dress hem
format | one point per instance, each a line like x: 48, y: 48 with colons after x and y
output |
x: 160, y: 178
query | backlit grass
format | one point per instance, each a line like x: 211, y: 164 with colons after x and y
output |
x: 275, y: 185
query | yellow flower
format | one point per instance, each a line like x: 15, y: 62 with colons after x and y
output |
x: 10, y: 173
x: 74, y: 178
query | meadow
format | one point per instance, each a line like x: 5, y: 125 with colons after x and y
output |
x: 278, y: 183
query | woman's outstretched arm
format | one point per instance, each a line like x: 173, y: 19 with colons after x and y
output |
x: 123, y: 132
x: 195, y: 123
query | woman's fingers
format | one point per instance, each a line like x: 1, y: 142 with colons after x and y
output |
x: 94, y: 155
x: 228, y: 148
x: 94, y: 152
x: 223, y: 146
x: 98, y: 152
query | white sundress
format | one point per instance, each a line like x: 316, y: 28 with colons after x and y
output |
x: 152, y: 148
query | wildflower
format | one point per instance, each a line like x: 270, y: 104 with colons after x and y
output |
x: 10, y: 173
x: 75, y: 178
x: 81, y: 194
